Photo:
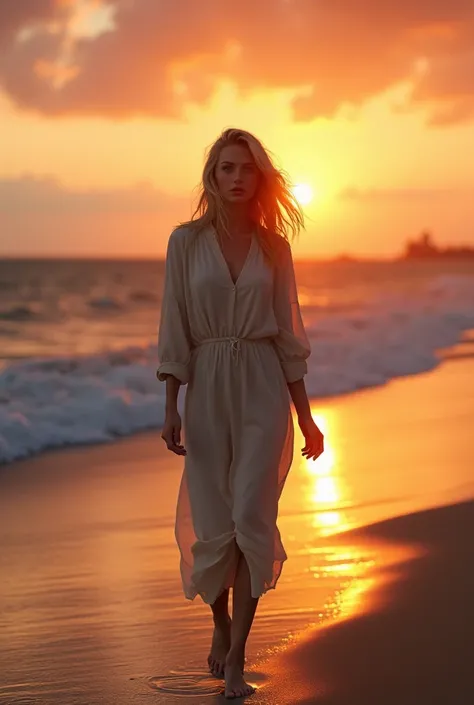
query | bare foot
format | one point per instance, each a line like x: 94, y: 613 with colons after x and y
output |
x: 235, y: 684
x: 219, y: 648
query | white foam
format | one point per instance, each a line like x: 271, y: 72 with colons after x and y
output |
x: 76, y: 400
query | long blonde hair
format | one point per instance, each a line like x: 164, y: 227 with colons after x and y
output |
x: 274, y: 209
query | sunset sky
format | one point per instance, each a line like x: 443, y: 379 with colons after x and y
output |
x: 106, y: 109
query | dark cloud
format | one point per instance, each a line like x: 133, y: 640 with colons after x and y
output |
x: 162, y: 53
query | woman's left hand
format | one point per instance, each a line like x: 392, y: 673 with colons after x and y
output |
x: 314, y: 438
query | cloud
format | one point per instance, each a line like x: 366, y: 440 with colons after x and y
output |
x: 15, y: 16
x: 45, y: 194
x: 449, y: 88
x: 40, y: 215
x: 155, y: 56
x: 404, y: 195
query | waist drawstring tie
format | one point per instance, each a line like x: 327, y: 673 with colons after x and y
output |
x: 233, y: 341
x: 235, y: 348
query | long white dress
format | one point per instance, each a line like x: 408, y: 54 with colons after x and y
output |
x: 235, y: 346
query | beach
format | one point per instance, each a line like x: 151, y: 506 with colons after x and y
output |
x: 413, y: 640
x: 374, y: 604
x: 210, y: 191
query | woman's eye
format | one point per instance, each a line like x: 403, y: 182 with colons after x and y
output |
x: 227, y: 167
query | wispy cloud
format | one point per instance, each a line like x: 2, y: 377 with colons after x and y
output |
x: 405, y: 195
x: 35, y: 194
x: 39, y: 215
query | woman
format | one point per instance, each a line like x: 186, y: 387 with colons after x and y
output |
x: 231, y: 329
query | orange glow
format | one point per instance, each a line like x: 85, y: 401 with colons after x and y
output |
x: 173, y: 103
x: 436, y: 30
x: 57, y: 74
x: 325, y: 491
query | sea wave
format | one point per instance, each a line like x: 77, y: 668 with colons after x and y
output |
x: 19, y: 313
x: 56, y: 402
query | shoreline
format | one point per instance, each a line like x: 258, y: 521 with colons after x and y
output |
x: 93, y: 596
x: 110, y: 419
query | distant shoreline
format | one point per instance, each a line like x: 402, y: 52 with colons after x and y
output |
x: 445, y: 254
x: 389, y: 259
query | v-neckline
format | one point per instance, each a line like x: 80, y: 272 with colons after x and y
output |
x: 224, y: 261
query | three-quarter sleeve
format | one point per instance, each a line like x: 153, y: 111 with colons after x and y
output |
x: 174, y: 349
x: 292, y: 344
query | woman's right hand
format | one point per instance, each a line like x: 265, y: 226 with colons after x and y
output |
x: 171, y: 433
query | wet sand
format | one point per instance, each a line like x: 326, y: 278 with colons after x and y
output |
x: 91, y: 609
x: 411, y: 642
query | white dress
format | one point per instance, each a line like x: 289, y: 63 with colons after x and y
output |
x: 235, y: 346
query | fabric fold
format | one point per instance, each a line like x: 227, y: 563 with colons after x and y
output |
x: 215, y: 565
x: 215, y: 562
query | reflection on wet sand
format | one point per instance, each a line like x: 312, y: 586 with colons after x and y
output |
x: 342, y: 567
x: 326, y: 489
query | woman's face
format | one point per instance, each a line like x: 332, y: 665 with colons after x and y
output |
x: 236, y: 174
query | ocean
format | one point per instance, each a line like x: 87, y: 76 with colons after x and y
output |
x: 78, y: 339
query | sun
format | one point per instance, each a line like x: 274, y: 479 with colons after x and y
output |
x: 303, y: 193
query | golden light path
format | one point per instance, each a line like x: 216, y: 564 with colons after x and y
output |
x: 326, y: 490
x: 345, y: 564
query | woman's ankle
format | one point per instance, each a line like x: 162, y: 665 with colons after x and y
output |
x: 236, y: 654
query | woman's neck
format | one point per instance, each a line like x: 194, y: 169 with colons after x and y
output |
x: 239, y: 220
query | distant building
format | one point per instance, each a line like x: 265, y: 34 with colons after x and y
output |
x: 425, y: 248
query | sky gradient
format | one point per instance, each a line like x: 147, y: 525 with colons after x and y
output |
x: 106, y: 109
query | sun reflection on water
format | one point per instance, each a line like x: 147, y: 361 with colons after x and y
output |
x: 326, y: 486
x: 342, y: 569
